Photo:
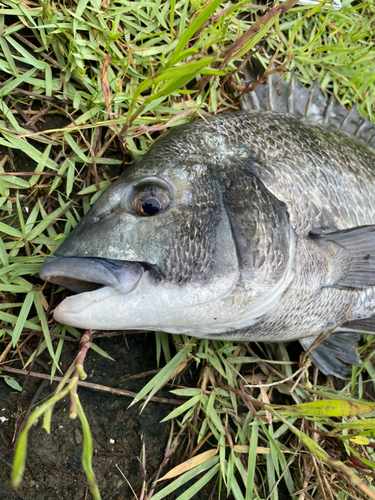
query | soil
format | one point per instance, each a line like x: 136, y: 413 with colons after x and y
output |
x: 54, y: 461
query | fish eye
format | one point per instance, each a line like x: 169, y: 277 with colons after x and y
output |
x: 150, y: 201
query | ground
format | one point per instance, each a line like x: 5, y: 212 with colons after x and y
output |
x: 54, y: 461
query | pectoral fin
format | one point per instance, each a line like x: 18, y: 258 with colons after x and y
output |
x: 331, y: 354
x: 353, y: 262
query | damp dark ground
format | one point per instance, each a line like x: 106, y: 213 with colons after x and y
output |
x: 54, y: 461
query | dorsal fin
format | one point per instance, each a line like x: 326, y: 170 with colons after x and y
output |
x: 293, y: 98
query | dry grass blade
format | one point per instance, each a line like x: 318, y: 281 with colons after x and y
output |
x: 189, y: 464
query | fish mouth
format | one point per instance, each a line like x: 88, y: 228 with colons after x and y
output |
x: 85, y: 274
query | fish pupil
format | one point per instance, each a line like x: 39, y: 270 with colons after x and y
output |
x: 151, y: 206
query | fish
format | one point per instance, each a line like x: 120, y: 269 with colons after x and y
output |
x: 255, y: 225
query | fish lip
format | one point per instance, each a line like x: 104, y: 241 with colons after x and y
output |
x: 84, y: 274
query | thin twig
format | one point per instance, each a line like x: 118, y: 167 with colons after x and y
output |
x: 279, y: 381
x: 94, y: 387
x: 79, y: 372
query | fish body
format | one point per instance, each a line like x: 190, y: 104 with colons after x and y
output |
x: 253, y: 225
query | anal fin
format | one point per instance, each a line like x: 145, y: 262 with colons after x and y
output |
x: 331, y: 354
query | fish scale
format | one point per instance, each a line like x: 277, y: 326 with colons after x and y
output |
x: 266, y: 232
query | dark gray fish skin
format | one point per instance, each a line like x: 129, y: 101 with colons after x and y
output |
x: 232, y: 256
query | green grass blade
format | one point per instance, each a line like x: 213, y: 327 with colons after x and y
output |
x: 190, y: 492
x: 183, y: 408
x: 46, y: 333
x: 161, y: 378
x: 23, y: 315
x: 87, y: 451
x: 251, y: 462
x: 194, y: 26
x: 188, y: 476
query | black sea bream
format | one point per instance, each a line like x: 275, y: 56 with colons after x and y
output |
x: 254, y: 225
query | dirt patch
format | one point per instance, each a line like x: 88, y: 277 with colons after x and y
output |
x: 54, y: 461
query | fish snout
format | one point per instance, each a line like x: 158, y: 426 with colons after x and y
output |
x: 82, y: 274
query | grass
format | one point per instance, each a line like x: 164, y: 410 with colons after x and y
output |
x: 85, y: 85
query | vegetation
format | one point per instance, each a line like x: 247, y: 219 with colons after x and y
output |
x: 114, y: 76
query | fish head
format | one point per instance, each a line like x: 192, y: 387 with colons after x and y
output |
x: 163, y: 249
x: 157, y: 240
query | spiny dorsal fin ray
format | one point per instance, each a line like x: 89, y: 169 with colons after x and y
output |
x: 350, y: 117
x: 315, y: 103
x: 295, y: 99
x: 299, y: 97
